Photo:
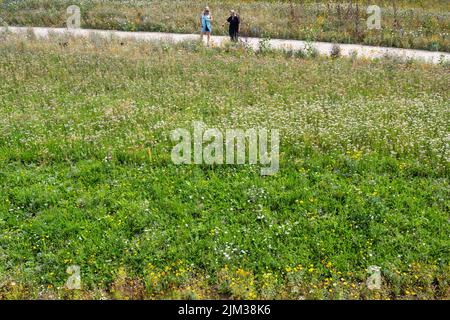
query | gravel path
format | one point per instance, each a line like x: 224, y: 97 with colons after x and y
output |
x: 322, y: 47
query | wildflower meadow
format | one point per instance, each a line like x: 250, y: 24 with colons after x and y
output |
x: 133, y: 168
x: 92, y: 205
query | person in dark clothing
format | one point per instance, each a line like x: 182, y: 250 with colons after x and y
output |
x: 234, y: 22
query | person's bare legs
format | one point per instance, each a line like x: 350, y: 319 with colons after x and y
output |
x: 208, y: 37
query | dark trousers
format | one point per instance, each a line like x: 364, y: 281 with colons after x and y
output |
x: 233, y: 34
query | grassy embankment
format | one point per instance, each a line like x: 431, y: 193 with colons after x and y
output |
x: 86, y: 176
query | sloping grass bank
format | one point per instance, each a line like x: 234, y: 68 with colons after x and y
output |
x: 86, y: 177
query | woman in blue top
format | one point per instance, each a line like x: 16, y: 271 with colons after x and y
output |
x: 206, y: 20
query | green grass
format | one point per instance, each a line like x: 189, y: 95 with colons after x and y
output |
x: 408, y: 24
x: 86, y: 176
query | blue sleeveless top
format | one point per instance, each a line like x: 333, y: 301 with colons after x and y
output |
x: 206, y: 23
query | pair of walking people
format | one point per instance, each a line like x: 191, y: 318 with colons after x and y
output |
x: 233, y: 20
